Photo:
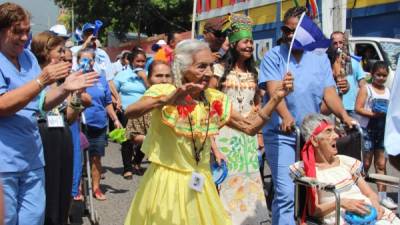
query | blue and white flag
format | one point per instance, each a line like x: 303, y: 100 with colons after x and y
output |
x: 392, y: 129
x: 309, y: 37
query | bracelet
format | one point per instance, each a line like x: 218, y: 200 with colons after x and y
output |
x: 76, y: 108
x: 263, y: 117
x: 41, y: 85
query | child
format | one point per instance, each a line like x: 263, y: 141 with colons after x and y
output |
x: 159, y: 73
x: 371, y: 105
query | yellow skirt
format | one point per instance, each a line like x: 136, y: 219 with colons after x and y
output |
x: 164, y: 198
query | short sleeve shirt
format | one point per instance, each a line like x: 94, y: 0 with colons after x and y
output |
x: 349, y: 99
x: 96, y: 114
x: 20, y: 143
x: 311, y: 76
x: 130, y: 86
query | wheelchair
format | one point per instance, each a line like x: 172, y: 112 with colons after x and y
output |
x: 350, y: 144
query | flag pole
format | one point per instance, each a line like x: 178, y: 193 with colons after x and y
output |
x: 291, y: 43
x: 194, y: 17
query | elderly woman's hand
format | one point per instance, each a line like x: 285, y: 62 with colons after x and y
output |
x: 354, y: 205
x: 179, y: 96
x: 287, y: 86
x: 378, y: 208
x: 54, y: 72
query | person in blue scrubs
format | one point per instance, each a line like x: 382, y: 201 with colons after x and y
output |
x: 314, y: 84
x: 21, y: 150
x: 131, y: 85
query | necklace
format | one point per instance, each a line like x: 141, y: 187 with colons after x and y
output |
x: 198, y: 151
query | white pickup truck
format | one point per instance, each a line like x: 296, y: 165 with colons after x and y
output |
x: 372, y: 49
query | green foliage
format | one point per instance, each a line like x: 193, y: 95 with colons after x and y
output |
x: 121, y: 16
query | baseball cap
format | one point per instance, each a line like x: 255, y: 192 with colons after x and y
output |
x: 60, y: 30
x: 88, y: 26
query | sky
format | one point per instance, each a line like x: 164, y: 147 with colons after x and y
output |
x: 44, y: 13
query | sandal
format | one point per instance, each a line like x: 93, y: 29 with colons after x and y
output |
x: 127, y: 175
x: 97, y: 194
x: 79, y: 197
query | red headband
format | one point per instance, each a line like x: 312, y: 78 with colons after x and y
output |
x: 307, y: 155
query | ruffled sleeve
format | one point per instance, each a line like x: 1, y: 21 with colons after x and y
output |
x: 220, y: 104
x: 158, y: 90
x: 206, y: 119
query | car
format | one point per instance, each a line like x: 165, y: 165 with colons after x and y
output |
x: 372, y: 49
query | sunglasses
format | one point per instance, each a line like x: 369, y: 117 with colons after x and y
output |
x: 287, y: 30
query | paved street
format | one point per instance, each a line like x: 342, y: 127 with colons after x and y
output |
x: 120, y: 191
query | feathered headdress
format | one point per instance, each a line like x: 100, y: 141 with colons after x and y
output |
x: 238, y: 27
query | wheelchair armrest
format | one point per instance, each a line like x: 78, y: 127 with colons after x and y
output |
x: 313, y: 182
x: 384, y: 179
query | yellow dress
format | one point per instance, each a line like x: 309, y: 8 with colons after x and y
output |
x: 164, y: 196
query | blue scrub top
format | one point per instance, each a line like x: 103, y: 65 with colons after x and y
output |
x: 20, y: 143
x: 130, y: 86
x: 96, y: 114
x: 311, y: 76
x: 349, y: 99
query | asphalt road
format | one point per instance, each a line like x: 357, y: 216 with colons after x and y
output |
x: 120, y: 192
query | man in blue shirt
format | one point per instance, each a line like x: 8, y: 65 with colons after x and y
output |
x: 355, y: 80
x: 314, y: 83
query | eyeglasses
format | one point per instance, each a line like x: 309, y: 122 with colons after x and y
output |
x: 287, y: 30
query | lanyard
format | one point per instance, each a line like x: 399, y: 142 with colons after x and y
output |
x: 197, y: 151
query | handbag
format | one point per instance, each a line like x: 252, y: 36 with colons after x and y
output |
x: 219, y: 172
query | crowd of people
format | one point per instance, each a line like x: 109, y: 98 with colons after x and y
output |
x: 57, y: 99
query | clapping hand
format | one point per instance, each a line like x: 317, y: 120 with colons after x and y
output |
x: 78, y: 80
x: 53, y: 72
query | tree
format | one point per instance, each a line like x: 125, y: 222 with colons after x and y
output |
x: 121, y: 16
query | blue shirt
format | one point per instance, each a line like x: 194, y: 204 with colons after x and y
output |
x: 349, y: 99
x: 20, y: 143
x: 130, y: 86
x: 96, y: 114
x: 102, y: 62
x: 311, y: 76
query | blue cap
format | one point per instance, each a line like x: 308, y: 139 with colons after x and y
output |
x: 88, y: 26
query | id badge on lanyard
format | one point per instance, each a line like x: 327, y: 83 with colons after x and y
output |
x: 197, y: 182
x: 54, y: 120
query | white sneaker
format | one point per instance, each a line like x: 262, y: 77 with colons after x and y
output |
x: 389, y: 203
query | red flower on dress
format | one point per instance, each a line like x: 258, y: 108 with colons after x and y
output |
x: 216, y: 107
x: 185, y: 110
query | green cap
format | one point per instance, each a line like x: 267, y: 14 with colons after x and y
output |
x: 238, y: 27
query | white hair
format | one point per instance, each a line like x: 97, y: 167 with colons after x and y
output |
x: 183, y: 57
x: 310, y: 122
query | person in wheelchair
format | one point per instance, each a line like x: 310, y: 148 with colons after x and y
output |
x: 320, y: 161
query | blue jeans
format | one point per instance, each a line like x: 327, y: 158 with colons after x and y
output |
x: 24, y: 197
x: 280, y: 156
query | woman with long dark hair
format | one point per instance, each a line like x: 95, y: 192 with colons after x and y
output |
x: 237, y: 78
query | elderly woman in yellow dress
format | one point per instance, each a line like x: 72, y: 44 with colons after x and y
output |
x: 320, y: 160
x: 177, y: 188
